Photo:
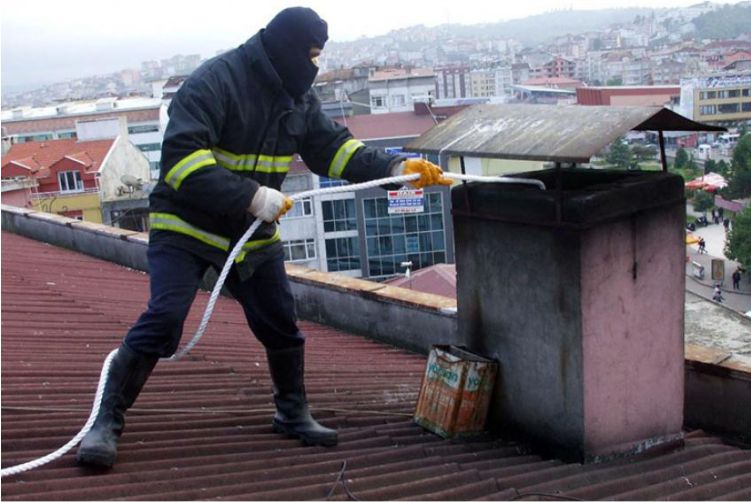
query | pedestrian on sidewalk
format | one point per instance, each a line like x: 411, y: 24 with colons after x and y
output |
x: 702, y: 245
x: 737, y: 279
x: 726, y: 224
x: 718, y: 294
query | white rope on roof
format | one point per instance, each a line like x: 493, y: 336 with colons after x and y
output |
x: 27, y: 466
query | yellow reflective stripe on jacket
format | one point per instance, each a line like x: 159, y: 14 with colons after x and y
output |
x: 166, y: 221
x: 258, y: 244
x: 188, y: 165
x: 345, y: 152
x: 250, y: 162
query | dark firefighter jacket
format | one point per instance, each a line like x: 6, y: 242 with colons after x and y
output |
x: 231, y: 128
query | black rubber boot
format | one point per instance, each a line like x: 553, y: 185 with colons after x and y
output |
x: 292, y: 416
x: 128, y: 373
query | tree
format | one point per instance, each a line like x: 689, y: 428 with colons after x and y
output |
x: 644, y: 153
x: 722, y: 167
x: 619, y: 155
x: 710, y: 166
x: 738, y: 245
x: 703, y: 201
x: 681, y: 159
x: 739, y: 179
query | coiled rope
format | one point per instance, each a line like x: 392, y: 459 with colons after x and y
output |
x: 27, y: 466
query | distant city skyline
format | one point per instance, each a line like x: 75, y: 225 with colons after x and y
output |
x: 51, y: 41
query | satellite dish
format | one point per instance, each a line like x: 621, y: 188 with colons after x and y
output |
x: 131, y: 182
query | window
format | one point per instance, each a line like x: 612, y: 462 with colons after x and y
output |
x: 708, y: 109
x: 377, y: 102
x: 729, y: 108
x: 299, y: 250
x: 393, y: 239
x: 67, y: 135
x: 339, y: 215
x: 343, y: 254
x: 138, y: 129
x: 34, y: 137
x: 397, y: 100
x: 70, y: 181
x: 746, y: 107
x: 150, y: 147
x: 330, y: 182
x: 300, y: 208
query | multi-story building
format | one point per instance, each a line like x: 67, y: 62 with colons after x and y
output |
x: 482, y: 83
x: 636, y: 71
x: 397, y: 89
x: 667, y: 72
x: 452, y: 81
x: 144, y: 117
x: 352, y: 233
x: 99, y: 176
x: 720, y: 98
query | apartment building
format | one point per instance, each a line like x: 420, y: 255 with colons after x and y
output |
x: 397, y: 89
x: 452, y: 81
x: 718, y: 98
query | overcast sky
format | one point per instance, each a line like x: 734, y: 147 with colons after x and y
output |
x: 53, y: 40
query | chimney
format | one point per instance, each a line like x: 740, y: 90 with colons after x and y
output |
x: 581, y: 300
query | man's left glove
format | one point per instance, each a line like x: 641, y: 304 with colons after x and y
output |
x: 269, y: 204
x: 430, y: 174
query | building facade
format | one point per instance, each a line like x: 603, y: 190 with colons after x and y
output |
x: 99, y: 176
x: 452, y: 81
x: 145, y: 118
x: 352, y: 233
x: 720, y: 99
x: 396, y: 90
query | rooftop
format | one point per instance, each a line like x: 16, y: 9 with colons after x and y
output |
x: 36, y: 155
x: 400, y: 73
x: 80, y: 108
x: 387, y: 125
x: 201, y: 428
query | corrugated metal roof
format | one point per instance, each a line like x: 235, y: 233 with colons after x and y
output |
x: 201, y: 428
x: 544, y: 132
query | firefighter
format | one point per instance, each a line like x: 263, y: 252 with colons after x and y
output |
x: 233, y: 129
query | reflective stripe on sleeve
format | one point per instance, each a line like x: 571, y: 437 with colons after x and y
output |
x: 188, y: 165
x: 345, y: 152
x: 253, y: 162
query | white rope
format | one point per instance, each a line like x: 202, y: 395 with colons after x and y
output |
x: 17, y: 469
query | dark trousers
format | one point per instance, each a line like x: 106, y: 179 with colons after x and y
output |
x: 175, y: 275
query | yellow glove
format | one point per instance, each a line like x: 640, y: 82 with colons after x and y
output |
x: 269, y: 204
x: 430, y: 174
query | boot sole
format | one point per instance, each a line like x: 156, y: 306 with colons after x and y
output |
x: 95, y: 460
x: 306, y: 440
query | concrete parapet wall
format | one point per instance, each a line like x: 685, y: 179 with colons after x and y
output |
x: 397, y: 316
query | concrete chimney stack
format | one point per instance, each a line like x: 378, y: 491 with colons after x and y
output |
x: 579, y: 295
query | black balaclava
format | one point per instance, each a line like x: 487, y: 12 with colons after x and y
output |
x: 288, y: 39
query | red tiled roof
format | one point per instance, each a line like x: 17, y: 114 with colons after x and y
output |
x: 42, y: 154
x: 201, y: 428
x: 437, y: 279
x: 387, y: 125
